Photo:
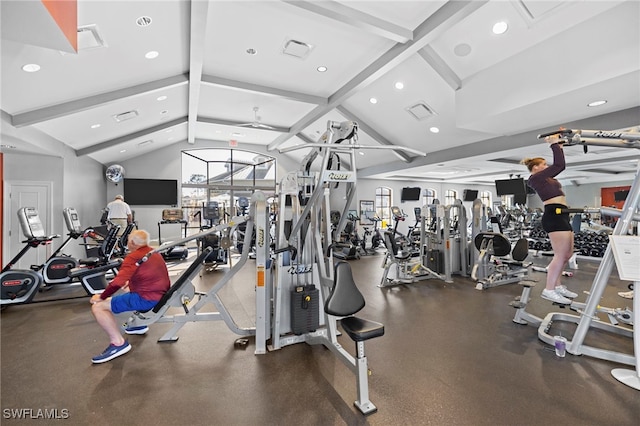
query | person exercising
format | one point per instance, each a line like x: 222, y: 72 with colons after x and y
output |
x: 558, y: 226
x: 144, y: 285
x: 119, y: 213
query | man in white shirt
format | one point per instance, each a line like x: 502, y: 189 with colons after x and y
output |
x: 119, y: 213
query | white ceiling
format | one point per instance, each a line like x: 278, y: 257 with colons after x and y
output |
x: 489, y: 104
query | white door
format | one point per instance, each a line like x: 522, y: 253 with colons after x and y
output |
x: 25, y: 194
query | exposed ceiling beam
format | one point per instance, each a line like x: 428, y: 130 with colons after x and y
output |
x: 209, y: 120
x: 78, y: 105
x: 442, y: 20
x: 250, y: 87
x: 434, y: 60
x: 614, y: 120
x: 199, y: 13
x: 371, y: 132
x: 355, y: 18
x: 126, y: 138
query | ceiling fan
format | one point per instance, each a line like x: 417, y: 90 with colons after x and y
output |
x: 256, y: 121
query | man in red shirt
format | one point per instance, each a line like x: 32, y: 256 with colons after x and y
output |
x: 144, y: 285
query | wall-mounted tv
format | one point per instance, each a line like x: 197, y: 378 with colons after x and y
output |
x: 621, y: 195
x: 410, y: 194
x: 149, y: 192
x: 469, y: 194
x: 510, y: 186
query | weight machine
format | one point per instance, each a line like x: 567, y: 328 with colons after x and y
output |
x: 305, y: 280
x: 628, y: 214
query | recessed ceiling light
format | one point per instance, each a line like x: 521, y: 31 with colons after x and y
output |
x: 237, y: 135
x: 31, y: 68
x: 500, y: 27
x: 322, y: 69
x: 95, y: 126
x: 361, y: 152
x: 168, y: 131
x: 143, y: 21
x: 596, y: 103
x: 434, y: 130
x: 399, y: 85
x: 161, y: 98
x: 251, y: 51
x: 373, y: 100
x: 123, y: 150
x: 151, y: 55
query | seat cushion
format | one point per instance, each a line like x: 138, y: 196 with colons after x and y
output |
x: 359, y: 329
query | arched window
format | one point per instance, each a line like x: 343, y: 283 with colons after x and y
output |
x: 383, y: 203
x: 450, y: 197
x: 429, y: 195
x: 485, y: 197
x: 223, y: 178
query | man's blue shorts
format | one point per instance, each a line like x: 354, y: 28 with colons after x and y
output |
x: 131, y: 302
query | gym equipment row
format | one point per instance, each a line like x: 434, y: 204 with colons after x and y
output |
x: 21, y: 285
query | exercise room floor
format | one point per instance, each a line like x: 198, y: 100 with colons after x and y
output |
x: 450, y: 356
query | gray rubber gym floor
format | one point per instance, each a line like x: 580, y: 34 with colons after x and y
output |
x: 450, y: 356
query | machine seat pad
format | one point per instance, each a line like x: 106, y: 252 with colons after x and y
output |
x: 184, y: 278
x: 501, y: 245
x: 360, y: 329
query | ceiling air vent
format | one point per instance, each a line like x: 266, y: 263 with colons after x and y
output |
x: 421, y: 111
x: 88, y: 38
x: 125, y: 116
x: 296, y: 48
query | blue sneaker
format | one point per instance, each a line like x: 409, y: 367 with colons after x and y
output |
x: 137, y: 330
x: 111, y: 352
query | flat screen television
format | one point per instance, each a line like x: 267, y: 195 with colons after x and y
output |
x: 149, y: 192
x: 469, y: 194
x: 410, y: 194
x: 510, y: 186
x: 620, y: 195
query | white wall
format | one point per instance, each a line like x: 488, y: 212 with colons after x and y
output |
x: 76, y: 182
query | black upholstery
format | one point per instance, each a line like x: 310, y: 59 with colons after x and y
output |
x: 184, y: 277
x: 501, y: 246
x: 390, y: 244
x: 520, y: 250
x: 345, y: 300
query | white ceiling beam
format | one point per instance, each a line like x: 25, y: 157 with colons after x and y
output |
x: 199, y: 13
x: 250, y: 87
x: 434, y: 60
x: 126, y: 138
x: 355, y: 18
x: 439, y: 22
x: 79, y: 105
x: 362, y: 125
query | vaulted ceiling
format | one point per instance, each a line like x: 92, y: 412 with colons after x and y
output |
x: 249, y: 71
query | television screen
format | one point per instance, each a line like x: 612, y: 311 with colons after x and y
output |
x: 621, y: 195
x: 510, y: 186
x: 410, y: 194
x: 469, y: 194
x: 148, y: 192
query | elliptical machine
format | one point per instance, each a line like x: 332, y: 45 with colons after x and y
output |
x: 20, y: 285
